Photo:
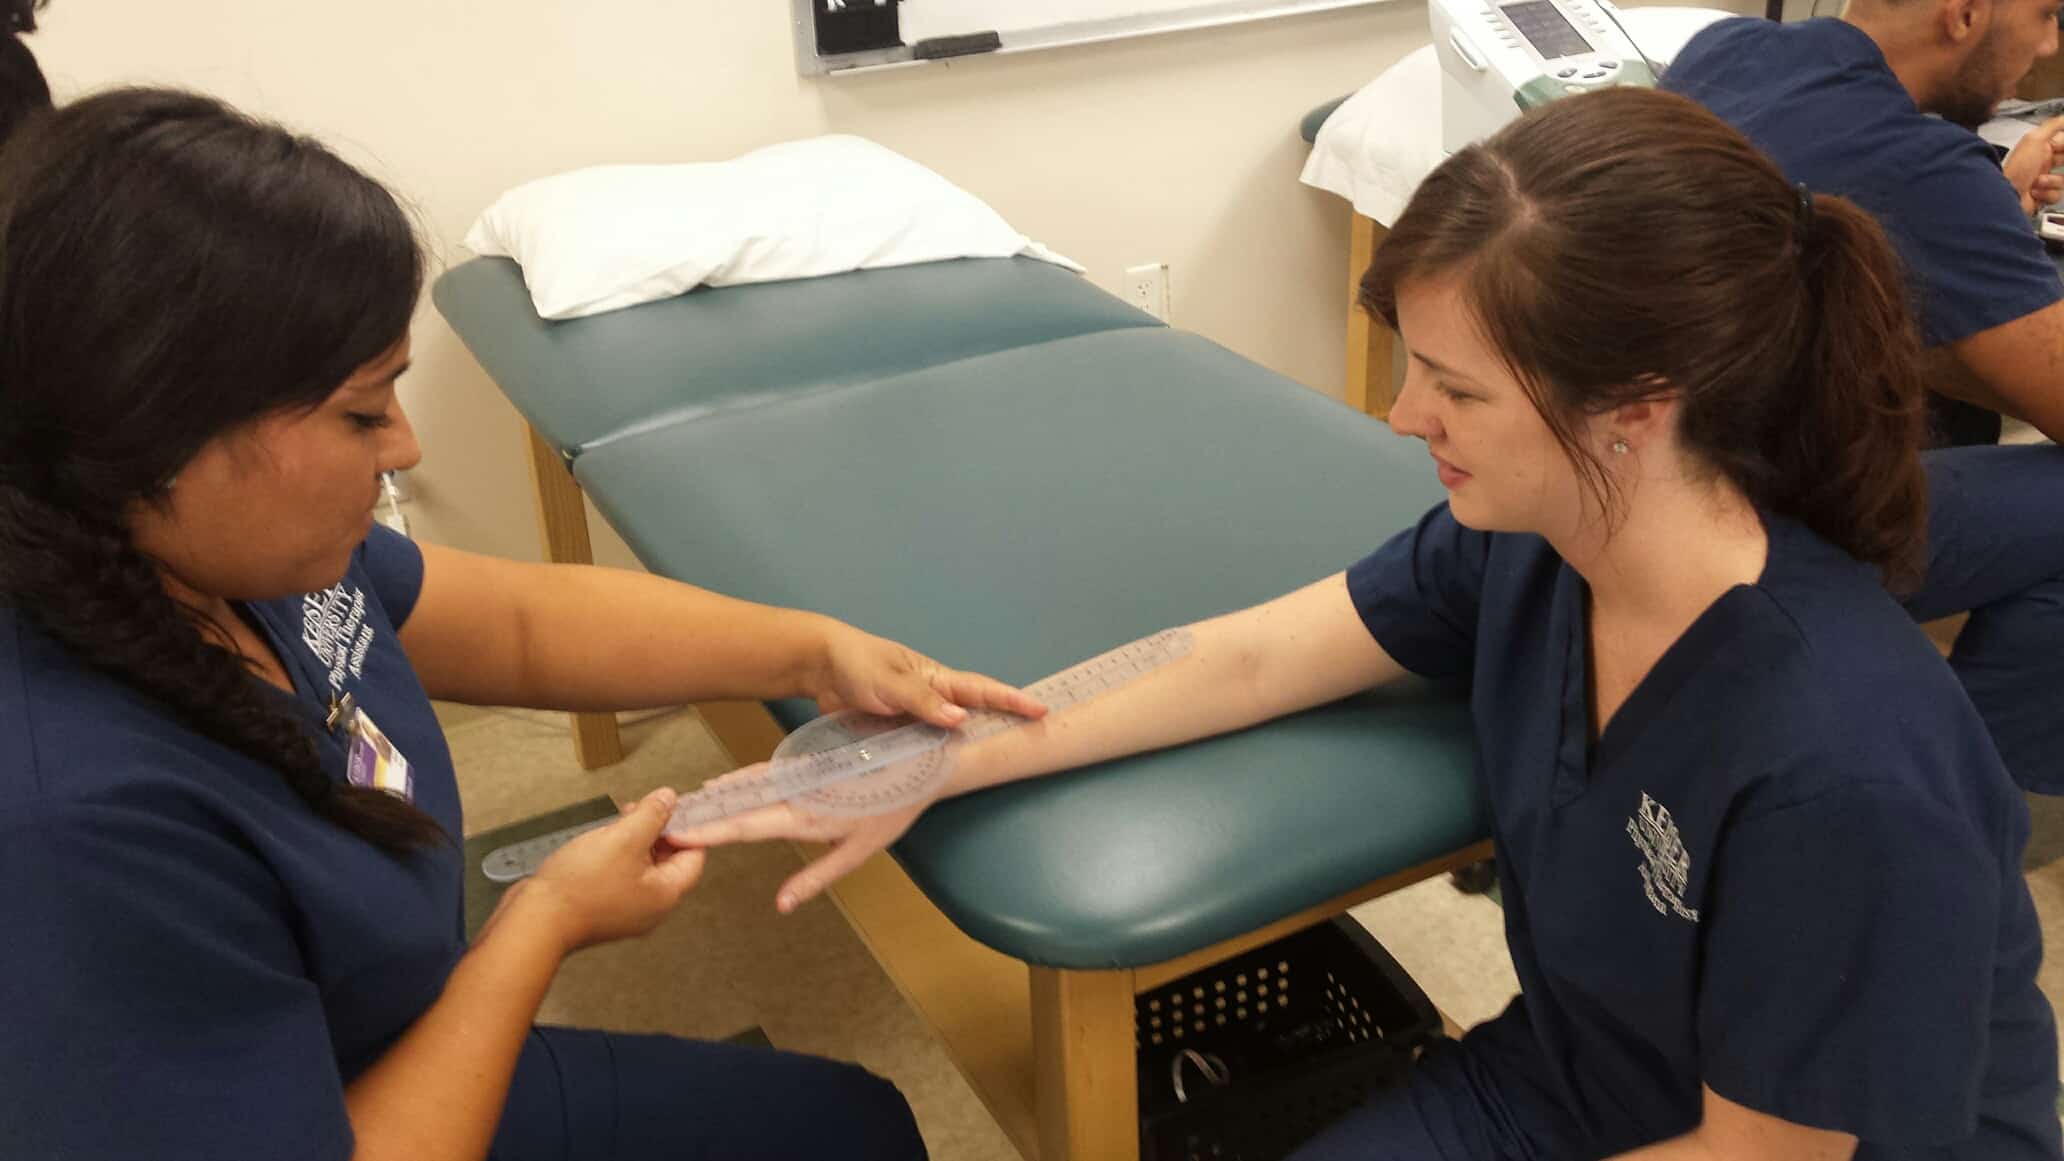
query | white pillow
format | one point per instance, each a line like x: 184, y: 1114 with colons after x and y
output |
x: 617, y: 235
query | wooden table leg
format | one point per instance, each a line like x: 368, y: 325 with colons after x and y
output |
x: 1371, y: 387
x: 563, y: 525
x: 1084, y: 1069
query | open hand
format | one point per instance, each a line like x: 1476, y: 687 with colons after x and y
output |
x: 865, y: 672
x: 862, y: 672
x: 854, y: 840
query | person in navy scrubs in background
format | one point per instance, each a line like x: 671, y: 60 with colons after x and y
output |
x: 230, y: 870
x: 1760, y: 858
x: 1881, y: 106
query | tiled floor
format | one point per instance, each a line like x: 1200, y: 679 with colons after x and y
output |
x: 725, y: 961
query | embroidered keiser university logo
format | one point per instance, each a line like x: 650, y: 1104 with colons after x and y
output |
x: 1669, y: 866
x: 333, y: 626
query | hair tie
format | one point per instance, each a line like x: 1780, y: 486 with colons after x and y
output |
x: 1802, y: 215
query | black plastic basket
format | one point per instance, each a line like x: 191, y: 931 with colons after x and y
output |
x: 1247, y: 1059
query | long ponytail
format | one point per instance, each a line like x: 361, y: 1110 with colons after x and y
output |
x: 1839, y: 453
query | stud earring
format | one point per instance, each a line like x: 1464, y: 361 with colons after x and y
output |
x: 1619, y: 446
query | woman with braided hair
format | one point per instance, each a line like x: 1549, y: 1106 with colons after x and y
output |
x: 229, y: 867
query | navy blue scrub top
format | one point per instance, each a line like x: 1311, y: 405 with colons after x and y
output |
x: 1818, y: 97
x: 1789, y: 869
x: 196, y: 963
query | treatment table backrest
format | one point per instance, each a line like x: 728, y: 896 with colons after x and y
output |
x: 584, y: 381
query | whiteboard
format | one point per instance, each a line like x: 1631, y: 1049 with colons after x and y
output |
x: 1023, y: 25
x: 929, y: 18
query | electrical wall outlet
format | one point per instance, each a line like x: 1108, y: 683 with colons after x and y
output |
x: 1146, y: 287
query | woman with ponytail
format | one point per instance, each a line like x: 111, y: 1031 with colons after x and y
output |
x: 229, y: 859
x: 1760, y: 859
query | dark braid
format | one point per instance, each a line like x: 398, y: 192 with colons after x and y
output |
x: 170, y: 272
x: 86, y: 586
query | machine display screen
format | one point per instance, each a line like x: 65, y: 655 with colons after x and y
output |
x: 1545, y: 28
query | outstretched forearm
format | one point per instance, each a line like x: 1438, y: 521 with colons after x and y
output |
x: 597, y: 638
x: 1299, y: 651
x: 495, y: 632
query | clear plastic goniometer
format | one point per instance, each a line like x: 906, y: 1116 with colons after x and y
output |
x: 914, y: 758
x: 852, y: 763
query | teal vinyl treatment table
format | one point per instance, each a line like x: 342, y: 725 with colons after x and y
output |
x: 1000, y: 465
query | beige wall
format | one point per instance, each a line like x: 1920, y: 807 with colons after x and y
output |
x: 1179, y: 148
